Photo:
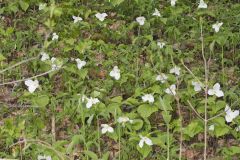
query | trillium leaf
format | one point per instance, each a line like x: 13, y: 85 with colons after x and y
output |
x: 137, y: 124
x: 24, y: 5
x: 145, y: 110
x: 41, y: 101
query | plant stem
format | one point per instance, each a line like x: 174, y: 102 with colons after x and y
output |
x: 223, y: 76
x: 99, y: 142
x: 206, y: 95
x: 181, y: 125
x: 83, y: 124
x: 119, y: 141
x: 168, y: 143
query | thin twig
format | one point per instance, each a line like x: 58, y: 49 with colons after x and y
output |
x: 199, y: 116
x: 21, y: 80
x: 19, y: 63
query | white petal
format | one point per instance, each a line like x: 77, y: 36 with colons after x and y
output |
x: 219, y: 93
x: 216, y: 86
x: 104, y: 130
x: 141, y: 143
x: 110, y: 129
x: 148, y: 141
x: 211, y: 92
x: 228, y: 118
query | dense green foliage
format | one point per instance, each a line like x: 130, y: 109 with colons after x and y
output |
x: 56, y: 120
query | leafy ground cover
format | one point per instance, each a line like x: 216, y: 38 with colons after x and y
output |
x: 119, y: 79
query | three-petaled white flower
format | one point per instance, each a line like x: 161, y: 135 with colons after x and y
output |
x: 197, y: 86
x: 76, y: 19
x: 156, y: 13
x: 55, y: 65
x: 161, y: 77
x: 44, y: 56
x: 230, y: 115
x: 211, y: 127
x: 44, y: 157
x: 124, y: 120
x: 80, y: 63
x: 141, y: 20
x: 145, y: 140
x: 42, y: 6
x: 91, y: 101
x: 216, y: 90
x: 217, y: 26
x: 115, y: 73
x: 202, y: 4
x: 173, y: 3
x: 101, y: 16
x: 54, y: 36
x: 148, y: 98
x: 32, y: 85
x: 161, y: 44
x: 106, y: 128
x: 175, y: 70
x: 171, y: 90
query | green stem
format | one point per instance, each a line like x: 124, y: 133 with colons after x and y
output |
x: 223, y: 76
x: 83, y: 124
x: 168, y: 143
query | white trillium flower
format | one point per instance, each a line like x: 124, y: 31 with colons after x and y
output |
x: 171, y: 90
x: 44, y: 157
x: 217, y: 26
x: 54, y: 36
x: 32, y: 85
x: 91, y: 101
x: 44, y: 56
x: 156, y: 13
x: 175, y: 70
x: 101, y: 16
x: 42, y: 6
x: 148, y: 98
x: 197, y: 86
x: 115, y: 73
x: 145, y: 140
x: 211, y: 127
x: 80, y: 63
x: 124, y: 120
x: 55, y: 66
x: 161, y: 44
x: 216, y: 91
x: 141, y: 20
x: 76, y: 19
x: 162, y: 78
x: 230, y: 115
x: 173, y: 3
x: 106, y: 128
x: 202, y: 4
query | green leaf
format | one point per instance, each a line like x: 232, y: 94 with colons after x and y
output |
x: 137, y: 124
x: 91, y: 154
x: 145, y: 110
x: 2, y: 57
x: 193, y: 128
x: 24, y: 5
x: 41, y: 101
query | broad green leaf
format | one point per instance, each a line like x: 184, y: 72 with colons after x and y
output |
x: 145, y: 110
x: 24, y: 5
